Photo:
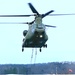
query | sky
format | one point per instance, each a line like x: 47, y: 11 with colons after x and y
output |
x: 61, y: 42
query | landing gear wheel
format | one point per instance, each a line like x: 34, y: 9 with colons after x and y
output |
x: 40, y: 49
x: 22, y: 49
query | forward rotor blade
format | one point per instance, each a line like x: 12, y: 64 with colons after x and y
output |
x: 15, y: 15
x: 50, y: 26
x: 33, y: 9
x: 61, y: 14
x: 13, y: 22
x: 43, y: 15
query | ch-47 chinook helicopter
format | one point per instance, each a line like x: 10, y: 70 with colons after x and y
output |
x: 35, y: 36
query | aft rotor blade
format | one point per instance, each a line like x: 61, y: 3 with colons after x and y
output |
x: 43, y: 15
x: 61, y: 14
x: 16, y: 15
x: 33, y: 9
x: 50, y: 26
x: 13, y: 22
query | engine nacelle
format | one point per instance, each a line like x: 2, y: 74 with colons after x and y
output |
x: 25, y: 32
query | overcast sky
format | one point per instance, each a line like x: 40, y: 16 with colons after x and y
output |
x: 61, y: 42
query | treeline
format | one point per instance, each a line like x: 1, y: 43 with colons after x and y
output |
x: 45, y: 68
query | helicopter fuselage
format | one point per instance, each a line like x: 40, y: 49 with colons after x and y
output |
x: 36, y: 36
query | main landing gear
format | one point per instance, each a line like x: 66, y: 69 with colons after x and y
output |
x: 39, y: 49
x: 22, y: 49
x: 43, y: 46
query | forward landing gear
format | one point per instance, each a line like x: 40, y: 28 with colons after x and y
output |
x: 40, y: 50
